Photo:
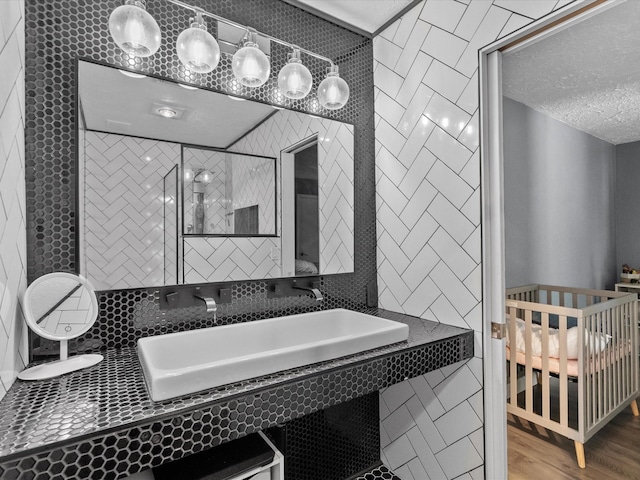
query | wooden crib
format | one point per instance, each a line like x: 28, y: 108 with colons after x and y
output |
x: 574, y: 397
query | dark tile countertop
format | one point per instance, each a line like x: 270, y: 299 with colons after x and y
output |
x: 75, y: 419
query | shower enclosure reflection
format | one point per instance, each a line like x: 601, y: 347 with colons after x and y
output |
x: 227, y: 193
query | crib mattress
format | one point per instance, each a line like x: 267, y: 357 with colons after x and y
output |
x: 572, y: 364
x: 554, y: 363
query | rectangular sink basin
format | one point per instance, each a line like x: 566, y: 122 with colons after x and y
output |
x: 177, y: 364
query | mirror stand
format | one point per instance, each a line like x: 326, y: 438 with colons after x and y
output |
x: 62, y: 366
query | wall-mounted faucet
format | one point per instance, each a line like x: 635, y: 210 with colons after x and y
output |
x: 184, y: 296
x: 315, y: 291
x: 210, y: 302
x: 287, y: 287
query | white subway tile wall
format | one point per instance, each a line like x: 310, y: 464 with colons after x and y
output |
x: 123, y: 209
x: 335, y: 176
x: 13, y: 256
x: 218, y: 259
x: 428, y: 218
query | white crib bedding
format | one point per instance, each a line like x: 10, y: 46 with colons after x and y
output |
x: 597, y: 341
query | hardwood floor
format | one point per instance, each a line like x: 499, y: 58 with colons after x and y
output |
x: 536, y: 453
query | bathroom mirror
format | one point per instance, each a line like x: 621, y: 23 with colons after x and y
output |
x: 60, y: 306
x: 134, y: 138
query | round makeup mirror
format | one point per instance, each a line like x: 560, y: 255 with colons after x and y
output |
x: 60, y: 306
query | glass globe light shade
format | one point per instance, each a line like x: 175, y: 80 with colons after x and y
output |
x: 333, y: 91
x: 205, y: 176
x: 250, y: 65
x: 134, y: 30
x: 294, y: 79
x: 197, y: 49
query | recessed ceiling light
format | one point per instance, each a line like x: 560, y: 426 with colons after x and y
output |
x: 188, y: 87
x: 132, y: 74
x: 167, y: 111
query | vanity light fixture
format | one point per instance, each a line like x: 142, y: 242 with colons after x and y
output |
x: 333, y: 91
x: 187, y: 174
x: 250, y: 65
x: 294, y: 79
x: 197, y: 49
x: 136, y: 32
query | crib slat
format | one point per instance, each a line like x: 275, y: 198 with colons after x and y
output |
x: 582, y: 409
x: 616, y: 353
x: 564, y: 394
x: 513, y: 365
x: 600, y: 374
x: 546, y: 411
x: 528, y: 370
x: 607, y: 361
x: 626, y: 367
x: 586, y: 358
x: 632, y: 318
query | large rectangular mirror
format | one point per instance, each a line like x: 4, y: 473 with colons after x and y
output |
x: 278, y: 202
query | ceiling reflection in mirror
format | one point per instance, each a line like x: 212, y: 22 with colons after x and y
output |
x: 140, y: 146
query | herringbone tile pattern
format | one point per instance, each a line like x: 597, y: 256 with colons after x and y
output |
x: 221, y: 259
x: 428, y: 217
x: 14, y: 352
x: 335, y: 176
x: 123, y: 209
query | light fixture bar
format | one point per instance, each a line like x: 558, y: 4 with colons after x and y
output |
x: 244, y: 27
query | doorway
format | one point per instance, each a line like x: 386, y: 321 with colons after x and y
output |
x: 307, y: 239
x: 493, y: 235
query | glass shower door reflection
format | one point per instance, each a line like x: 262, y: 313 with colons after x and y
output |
x: 171, y: 234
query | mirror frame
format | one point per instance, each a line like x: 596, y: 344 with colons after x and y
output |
x: 228, y: 235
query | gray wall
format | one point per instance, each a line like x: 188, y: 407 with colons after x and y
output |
x: 628, y: 204
x: 559, y: 202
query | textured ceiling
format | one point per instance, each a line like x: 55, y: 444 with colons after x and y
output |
x: 587, y: 76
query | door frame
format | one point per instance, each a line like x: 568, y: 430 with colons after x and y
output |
x: 492, y: 211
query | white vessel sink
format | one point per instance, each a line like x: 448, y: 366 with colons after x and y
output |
x: 186, y: 362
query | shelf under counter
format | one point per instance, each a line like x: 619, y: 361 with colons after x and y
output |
x: 100, y: 422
